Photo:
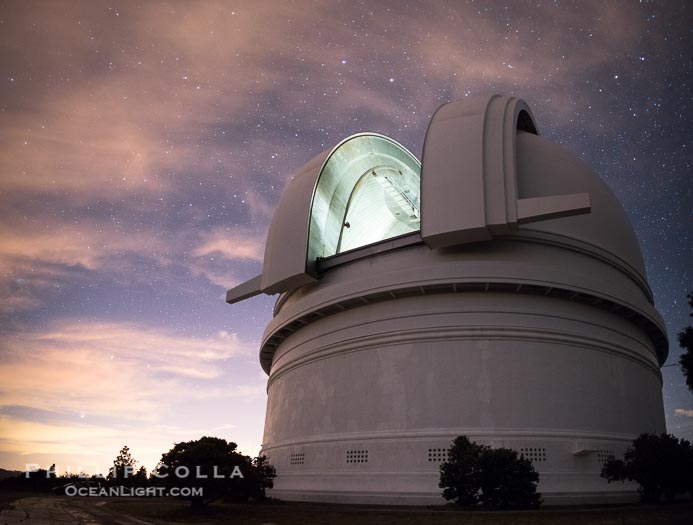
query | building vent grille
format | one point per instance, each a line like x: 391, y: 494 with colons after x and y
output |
x: 603, y: 455
x: 357, y: 456
x: 534, y: 454
x: 438, y: 455
x: 297, y: 459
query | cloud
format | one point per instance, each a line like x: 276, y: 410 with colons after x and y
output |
x: 12, y: 303
x: 84, y: 388
x: 139, y: 103
x: 232, y: 245
x: 221, y: 246
x: 35, y: 259
x: 683, y: 412
x: 91, y: 366
x: 86, y: 245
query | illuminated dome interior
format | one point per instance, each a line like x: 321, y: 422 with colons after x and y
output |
x: 367, y: 191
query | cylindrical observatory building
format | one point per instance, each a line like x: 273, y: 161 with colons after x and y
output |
x: 494, y: 290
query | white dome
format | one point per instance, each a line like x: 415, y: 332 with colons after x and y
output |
x: 519, y: 314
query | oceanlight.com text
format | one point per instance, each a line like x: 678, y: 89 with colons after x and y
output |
x: 128, y: 492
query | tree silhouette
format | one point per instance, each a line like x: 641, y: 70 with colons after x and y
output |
x: 661, y: 465
x: 496, y: 478
x: 262, y: 478
x: 459, y: 475
x: 140, y: 478
x: 508, y: 481
x: 686, y: 341
x: 123, y: 470
x: 213, y: 465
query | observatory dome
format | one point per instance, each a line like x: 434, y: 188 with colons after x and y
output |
x: 495, y: 290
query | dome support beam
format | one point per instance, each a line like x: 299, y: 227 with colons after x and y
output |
x: 554, y: 207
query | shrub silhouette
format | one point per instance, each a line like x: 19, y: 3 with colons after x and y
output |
x: 495, y: 478
x: 213, y: 465
x: 661, y: 464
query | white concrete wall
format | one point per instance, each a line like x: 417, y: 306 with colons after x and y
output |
x: 402, y: 376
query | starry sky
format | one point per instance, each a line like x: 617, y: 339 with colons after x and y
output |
x: 145, y: 145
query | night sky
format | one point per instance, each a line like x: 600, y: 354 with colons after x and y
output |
x: 144, y: 147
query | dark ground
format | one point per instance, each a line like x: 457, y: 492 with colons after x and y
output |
x: 161, y: 511
x: 7, y: 497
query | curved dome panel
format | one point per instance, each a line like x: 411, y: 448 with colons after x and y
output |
x: 545, y: 168
x: 368, y: 190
